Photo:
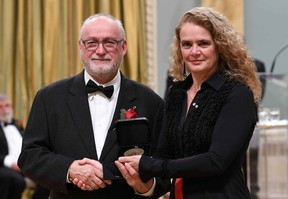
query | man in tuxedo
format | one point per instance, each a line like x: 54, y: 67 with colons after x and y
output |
x: 70, y: 143
x: 12, y: 183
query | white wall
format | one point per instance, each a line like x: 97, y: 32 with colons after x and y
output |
x: 266, y: 31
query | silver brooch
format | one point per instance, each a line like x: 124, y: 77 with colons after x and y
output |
x: 195, y: 105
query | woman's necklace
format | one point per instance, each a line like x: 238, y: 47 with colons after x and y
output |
x: 190, y: 96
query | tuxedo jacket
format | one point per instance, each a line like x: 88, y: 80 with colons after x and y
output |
x: 59, y: 130
x: 3, y: 142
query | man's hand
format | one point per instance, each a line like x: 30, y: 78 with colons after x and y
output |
x: 15, y: 167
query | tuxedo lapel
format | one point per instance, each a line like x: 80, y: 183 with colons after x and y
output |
x: 79, y: 107
x: 3, y: 143
x: 125, y: 99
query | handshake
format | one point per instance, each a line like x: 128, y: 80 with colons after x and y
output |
x: 88, y: 175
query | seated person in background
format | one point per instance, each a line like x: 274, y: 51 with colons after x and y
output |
x: 260, y: 67
x: 12, y: 183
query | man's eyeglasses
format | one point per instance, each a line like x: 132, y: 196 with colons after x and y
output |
x: 109, y: 44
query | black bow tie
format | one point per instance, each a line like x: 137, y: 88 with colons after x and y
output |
x: 91, y: 87
x: 8, y: 123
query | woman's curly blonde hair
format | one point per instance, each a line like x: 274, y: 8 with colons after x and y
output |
x: 234, y: 58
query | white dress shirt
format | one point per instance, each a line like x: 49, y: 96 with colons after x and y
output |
x: 102, y: 110
x: 14, y: 142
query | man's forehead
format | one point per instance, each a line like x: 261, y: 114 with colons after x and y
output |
x: 2, y: 102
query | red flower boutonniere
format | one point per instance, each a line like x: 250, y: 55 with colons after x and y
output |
x: 128, y: 114
x: 20, y: 123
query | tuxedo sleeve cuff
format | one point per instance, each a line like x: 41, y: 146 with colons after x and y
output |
x: 111, y: 172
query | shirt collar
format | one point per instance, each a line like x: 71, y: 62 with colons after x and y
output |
x: 216, y: 81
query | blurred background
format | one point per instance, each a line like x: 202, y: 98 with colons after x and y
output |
x: 39, y: 45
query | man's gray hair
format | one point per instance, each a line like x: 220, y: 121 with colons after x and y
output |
x: 117, y: 22
x: 3, y: 96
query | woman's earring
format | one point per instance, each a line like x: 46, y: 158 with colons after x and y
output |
x: 184, y: 71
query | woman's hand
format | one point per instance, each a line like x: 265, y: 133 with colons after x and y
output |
x: 133, y: 161
x: 129, y: 167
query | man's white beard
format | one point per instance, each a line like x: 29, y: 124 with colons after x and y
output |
x: 103, y: 70
x: 7, y: 117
